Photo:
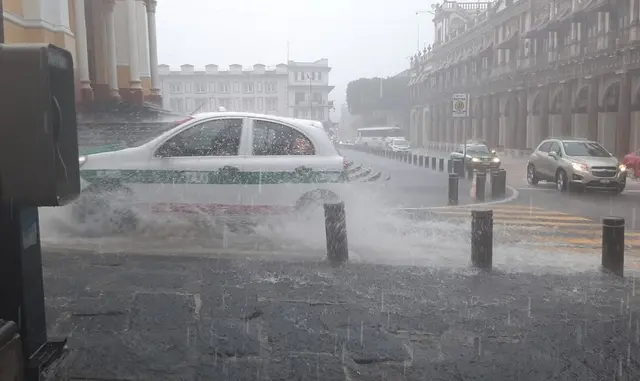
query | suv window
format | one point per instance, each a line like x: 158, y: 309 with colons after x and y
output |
x: 220, y: 137
x: 592, y: 149
x: 544, y: 147
x: 274, y: 139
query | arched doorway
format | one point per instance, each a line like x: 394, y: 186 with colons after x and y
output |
x: 608, y: 129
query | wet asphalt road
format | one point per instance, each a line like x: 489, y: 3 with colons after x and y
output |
x: 187, y: 318
x: 410, y: 186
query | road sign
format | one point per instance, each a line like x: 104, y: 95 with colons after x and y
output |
x: 460, y: 105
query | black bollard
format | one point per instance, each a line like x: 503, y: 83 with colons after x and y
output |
x: 433, y: 163
x: 502, y: 178
x: 613, y: 245
x: 469, y: 173
x: 495, y: 185
x: 453, y: 189
x: 481, y: 184
x: 441, y: 165
x: 450, y: 166
x: 335, y: 222
x: 482, y: 239
x: 426, y: 162
x: 421, y: 161
x: 415, y: 160
x: 458, y: 168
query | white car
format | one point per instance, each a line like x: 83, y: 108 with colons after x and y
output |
x: 399, y: 145
x: 223, y: 162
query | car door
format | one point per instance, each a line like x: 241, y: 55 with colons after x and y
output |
x: 201, y: 167
x: 283, y: 162
x: 551, y: 163
x: 540, y: 159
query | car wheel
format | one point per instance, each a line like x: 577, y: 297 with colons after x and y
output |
x: 312, y: 201
x: 561, y: 181
x: 532, y: 178
x: 105, y: 210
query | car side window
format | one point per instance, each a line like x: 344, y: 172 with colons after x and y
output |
x: 274, y: 139
x: 220, y: 137
x: 555, y: 147
x: 544, y: 147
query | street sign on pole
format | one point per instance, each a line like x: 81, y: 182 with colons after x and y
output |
x: 460, y: 105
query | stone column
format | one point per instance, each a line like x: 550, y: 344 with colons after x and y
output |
x: 153, y: 51
x: 623, y: 121
x: 566, y: 108
x: 511, y: 123
x: 135, y: 85
x: 112, y: 63
x: 592, y: 110
x: 521, y: 123
x: 82, y: 54
x: 544, y: 112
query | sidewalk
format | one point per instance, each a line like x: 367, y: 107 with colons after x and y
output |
x: 182, y: 318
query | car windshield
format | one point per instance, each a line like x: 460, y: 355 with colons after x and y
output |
x: 585, y: 149
x: 477, y: 151
x: 400, y: 142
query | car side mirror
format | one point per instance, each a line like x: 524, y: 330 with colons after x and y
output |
x: 553, y: 155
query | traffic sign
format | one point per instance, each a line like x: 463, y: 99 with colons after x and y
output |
x: 460, y: 105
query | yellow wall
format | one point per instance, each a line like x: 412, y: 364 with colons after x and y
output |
x: 13, y: 6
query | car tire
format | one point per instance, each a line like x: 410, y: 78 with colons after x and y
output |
x: 309, y: 202
x: 562, y: 182
x: 532, y: 177
x: 98, y: 210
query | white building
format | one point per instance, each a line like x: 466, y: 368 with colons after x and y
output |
x: 309, y: 90
x: 282, y: 90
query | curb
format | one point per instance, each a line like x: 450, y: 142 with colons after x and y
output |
x: 514, y: 195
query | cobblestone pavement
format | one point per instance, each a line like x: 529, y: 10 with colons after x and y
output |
x: 240, y: 318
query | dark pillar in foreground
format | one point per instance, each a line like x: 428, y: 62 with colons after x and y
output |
x: 482, y: 238
x: 613, y: 245
x: 335, y: 222
x: 481, y: 183
x: 453, y: 189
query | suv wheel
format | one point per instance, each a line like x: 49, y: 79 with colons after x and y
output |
x: 531, y: 175
x: 561, y: 181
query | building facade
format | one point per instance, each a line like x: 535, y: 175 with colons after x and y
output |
x: 533, y: 69
x: 113, y: 43
x: 298, y: 90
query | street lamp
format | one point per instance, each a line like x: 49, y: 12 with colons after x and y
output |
x: 418, y: 22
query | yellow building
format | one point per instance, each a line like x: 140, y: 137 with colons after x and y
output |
x: 113, y: 43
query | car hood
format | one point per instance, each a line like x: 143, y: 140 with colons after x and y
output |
x: 595, y: 161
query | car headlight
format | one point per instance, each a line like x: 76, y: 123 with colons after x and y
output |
x: 81, y: 160
x: 496, y: 160
x: 475, y: 160
x: 580, y: 167
x: 622, y: 168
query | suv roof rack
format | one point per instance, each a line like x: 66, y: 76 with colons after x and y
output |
x: 567, y: 138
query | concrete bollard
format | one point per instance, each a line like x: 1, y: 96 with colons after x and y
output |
x: 453, y: 189
x: 481, y: 185
x: 613, y: 245
x: 335, y: 222
x: 482, y: 239
x: 441, y: 165
x: 433, y: 163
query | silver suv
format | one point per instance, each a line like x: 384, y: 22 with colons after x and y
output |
x: 575, y: 163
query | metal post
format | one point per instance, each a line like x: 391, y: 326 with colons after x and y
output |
x: 613, y: 245
x: 335, y: 223
x: 453, y: 189
x: 441, y: 165
x: 482, y: 238
x: 481, y: 184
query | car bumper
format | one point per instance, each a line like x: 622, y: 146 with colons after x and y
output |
x: 401, y: 149
x: 587, y: 180
x: 487, y: 166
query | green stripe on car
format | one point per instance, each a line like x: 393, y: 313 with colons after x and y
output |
x: 211, y: 177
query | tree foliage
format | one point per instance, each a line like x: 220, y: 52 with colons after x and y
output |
x: 365, y: 95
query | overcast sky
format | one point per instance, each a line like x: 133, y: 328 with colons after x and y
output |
x: 361, y: 38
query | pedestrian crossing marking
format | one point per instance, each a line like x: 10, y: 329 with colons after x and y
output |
x: 540, y: 229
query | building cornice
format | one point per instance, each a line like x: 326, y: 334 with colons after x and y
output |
x: 35, y: 24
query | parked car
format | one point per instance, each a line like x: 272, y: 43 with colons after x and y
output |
x: 223, y: 162
x: 478, y: 157
x: 399, y: 145
x: 576, y: 164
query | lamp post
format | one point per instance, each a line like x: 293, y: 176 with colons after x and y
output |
x: 418, y: 13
